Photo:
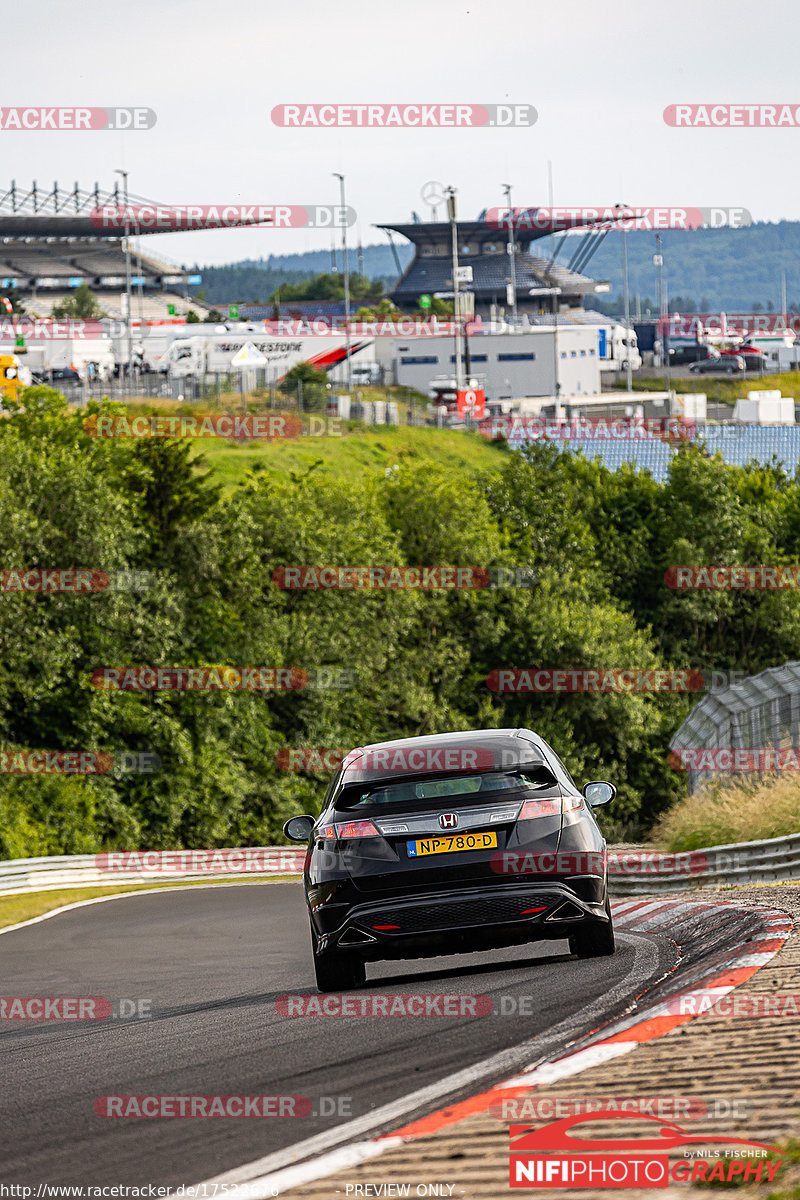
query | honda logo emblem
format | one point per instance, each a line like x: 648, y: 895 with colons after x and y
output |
x: 448, y: 820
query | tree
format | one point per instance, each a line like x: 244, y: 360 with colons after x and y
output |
x: 173, y: 491
x: 327, y: 287
x: 82, y: 304
x: 386, y: 308
x: 192, y: 317
x: 314, y: 385
x: 215, y: 315
x: 438, y: 308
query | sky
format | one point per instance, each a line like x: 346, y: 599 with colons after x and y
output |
x: 599, y: 77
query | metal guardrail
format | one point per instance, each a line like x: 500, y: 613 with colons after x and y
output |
x: 630, y: 873
x: 737, y: 863
x: 89, y: 870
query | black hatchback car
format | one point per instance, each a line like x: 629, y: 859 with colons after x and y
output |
x: 449, y: 844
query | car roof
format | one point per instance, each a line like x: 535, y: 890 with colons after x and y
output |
x: 506, y: 748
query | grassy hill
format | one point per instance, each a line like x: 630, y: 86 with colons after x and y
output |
x: 346, y: 449
x: 360, y: 452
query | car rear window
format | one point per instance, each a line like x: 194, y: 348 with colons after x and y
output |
x: 428, y: 792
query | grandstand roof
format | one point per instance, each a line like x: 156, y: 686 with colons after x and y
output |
x: 420, y: 232
x: 61, y: 212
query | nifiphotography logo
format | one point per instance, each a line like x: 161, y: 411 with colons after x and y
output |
x: 548, y: 1157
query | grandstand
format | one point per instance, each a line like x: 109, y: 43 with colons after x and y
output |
x: 49, y: 246
x: 543, y: 286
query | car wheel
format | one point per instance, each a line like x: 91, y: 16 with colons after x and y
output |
x: 338, y: 972
x: 593, y: 941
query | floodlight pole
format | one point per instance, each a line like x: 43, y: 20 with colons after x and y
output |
x: 124, y: 175
x: 451, y: 213
x: 628, y: 368
x: 513, y: 253
x: 346, y: 271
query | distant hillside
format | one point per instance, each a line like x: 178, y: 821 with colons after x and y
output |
x: 728, y: 269
x: 257, y: 279
x: 722, y: 269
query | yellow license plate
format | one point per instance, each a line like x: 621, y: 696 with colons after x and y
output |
x: 451, y: 843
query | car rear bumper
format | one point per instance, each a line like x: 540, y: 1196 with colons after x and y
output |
x: 456, y: 922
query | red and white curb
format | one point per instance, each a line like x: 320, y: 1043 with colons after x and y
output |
x: 265, y: 1178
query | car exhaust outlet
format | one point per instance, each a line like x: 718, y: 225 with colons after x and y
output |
x: 356, y: 937
x: 565, y: 912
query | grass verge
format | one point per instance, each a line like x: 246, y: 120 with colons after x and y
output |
x: 723, y: 389
x: 736, y: 810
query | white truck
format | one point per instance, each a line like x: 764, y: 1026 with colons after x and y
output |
x: 616, y: 345
x: 150, y: 343
x: 212, y: 354
x: 621, y: 346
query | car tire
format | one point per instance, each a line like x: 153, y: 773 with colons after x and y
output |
x: 337, y: 972
x: 593, y: 940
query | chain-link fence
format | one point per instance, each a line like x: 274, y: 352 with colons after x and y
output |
x: 257, y: 389
x: 741, y: 724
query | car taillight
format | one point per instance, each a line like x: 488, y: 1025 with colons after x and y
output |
x: 356, y: 829
x: 539, y: 808
x: 569, y: 803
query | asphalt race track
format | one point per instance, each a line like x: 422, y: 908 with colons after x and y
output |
x: 213, y: 961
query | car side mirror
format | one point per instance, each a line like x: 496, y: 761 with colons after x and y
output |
x: 298, y: 829
x: 598, y: 793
